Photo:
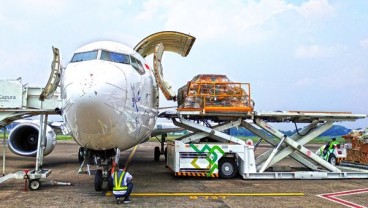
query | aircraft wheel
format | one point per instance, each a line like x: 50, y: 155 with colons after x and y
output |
x: 81, y: 154
x: 34, y: 184
x: 98, y: 180
x: 157, y: 154
x: 227, y: 168
x: 332, y: 159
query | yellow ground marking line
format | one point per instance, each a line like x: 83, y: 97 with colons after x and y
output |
x: 212, y: 194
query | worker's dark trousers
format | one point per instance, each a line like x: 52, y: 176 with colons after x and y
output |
x: 127, y: 193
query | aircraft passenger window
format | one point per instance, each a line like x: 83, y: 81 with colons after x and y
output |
x: 137, y: 65
x: 115, y: 57
x: 84, y: 56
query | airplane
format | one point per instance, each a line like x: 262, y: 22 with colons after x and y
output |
x: 110, y: 99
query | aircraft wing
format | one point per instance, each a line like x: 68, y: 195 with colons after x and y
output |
x: 164, y: 128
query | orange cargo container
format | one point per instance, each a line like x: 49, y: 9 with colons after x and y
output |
x: 215, y: 93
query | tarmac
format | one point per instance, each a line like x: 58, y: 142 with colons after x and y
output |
x: 156, y: 186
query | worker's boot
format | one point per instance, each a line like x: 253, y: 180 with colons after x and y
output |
x: 118, y: 201
x: 127, y: 200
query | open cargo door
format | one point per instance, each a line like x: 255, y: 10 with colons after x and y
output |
x: 165, y: 86
x: 158, y: 43
x: 54, y: 78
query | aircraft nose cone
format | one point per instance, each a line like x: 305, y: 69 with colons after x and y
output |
x: 97, y: 97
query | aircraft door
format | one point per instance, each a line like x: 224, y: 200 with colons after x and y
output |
x: 55, y: 76
x: 156, y: 44
x: 157, y: 70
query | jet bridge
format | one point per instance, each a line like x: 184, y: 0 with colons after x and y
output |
x: 211, y: 152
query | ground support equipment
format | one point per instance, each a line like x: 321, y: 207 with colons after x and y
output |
x: 209, y: 151
x: 22, y: 102
x: 35, y: 176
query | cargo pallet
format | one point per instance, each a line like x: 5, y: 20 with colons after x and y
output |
x: 225, y: 155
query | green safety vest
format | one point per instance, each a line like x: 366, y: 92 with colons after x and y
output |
x: 332, y: 144
x: 118, y: 186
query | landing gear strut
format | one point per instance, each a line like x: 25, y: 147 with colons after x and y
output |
x: 103, y: 159
x: 160, y: 151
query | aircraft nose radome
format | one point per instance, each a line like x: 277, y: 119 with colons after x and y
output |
x: 98, y: 97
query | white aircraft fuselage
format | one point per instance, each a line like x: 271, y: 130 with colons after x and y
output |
x: 110, y: 100
x: 110, y: 96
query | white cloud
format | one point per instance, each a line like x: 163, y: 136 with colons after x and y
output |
x: 210, y: 19
x: 316, y: 9
x: 235, y: 20
x: 11, y: 61
x: 351, y: 79
x: 317, y: 51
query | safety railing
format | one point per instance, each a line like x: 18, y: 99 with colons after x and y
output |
x: 217, y: 96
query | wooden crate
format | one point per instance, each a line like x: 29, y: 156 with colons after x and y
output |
x: 353, y: 155
x: 364, y: 158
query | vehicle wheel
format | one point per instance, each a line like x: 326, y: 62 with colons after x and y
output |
x: 34, y: 184
x: 227, y: 168
x: 98, y: 180
x: 81, y: 154
x: 157, y: 154
x: 332, y: 159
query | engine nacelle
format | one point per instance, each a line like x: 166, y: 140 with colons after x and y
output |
x: 23, y: 139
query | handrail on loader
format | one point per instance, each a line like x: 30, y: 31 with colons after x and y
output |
x: 217, y: 96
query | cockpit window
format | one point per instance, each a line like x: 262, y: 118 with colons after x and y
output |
x: 115, y: 57
x: 84, y: 56
x: 137, y: 65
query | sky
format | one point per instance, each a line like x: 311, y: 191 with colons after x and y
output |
x: 296, y: 54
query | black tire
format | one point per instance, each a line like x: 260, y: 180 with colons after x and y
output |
x: 227, y: 168
x: 157, y: 154
x: 81, y: 154
x: 332, y: 159
x: 34, y: 184
x: 98, y: 180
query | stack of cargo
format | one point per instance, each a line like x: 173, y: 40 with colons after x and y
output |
x: 213, y: 92
x: 357, y: 146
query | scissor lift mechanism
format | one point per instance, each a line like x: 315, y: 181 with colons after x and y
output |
x: 251, y: 167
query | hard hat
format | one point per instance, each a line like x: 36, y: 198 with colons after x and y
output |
x: 333, y: 139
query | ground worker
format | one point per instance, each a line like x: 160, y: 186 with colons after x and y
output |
x: 333, y: 143
x: 122, y: 184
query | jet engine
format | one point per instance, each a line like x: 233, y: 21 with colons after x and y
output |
x: 23, y: 139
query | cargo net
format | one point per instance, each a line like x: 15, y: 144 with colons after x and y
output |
x: 215, y: 93
x: 357, y: 146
